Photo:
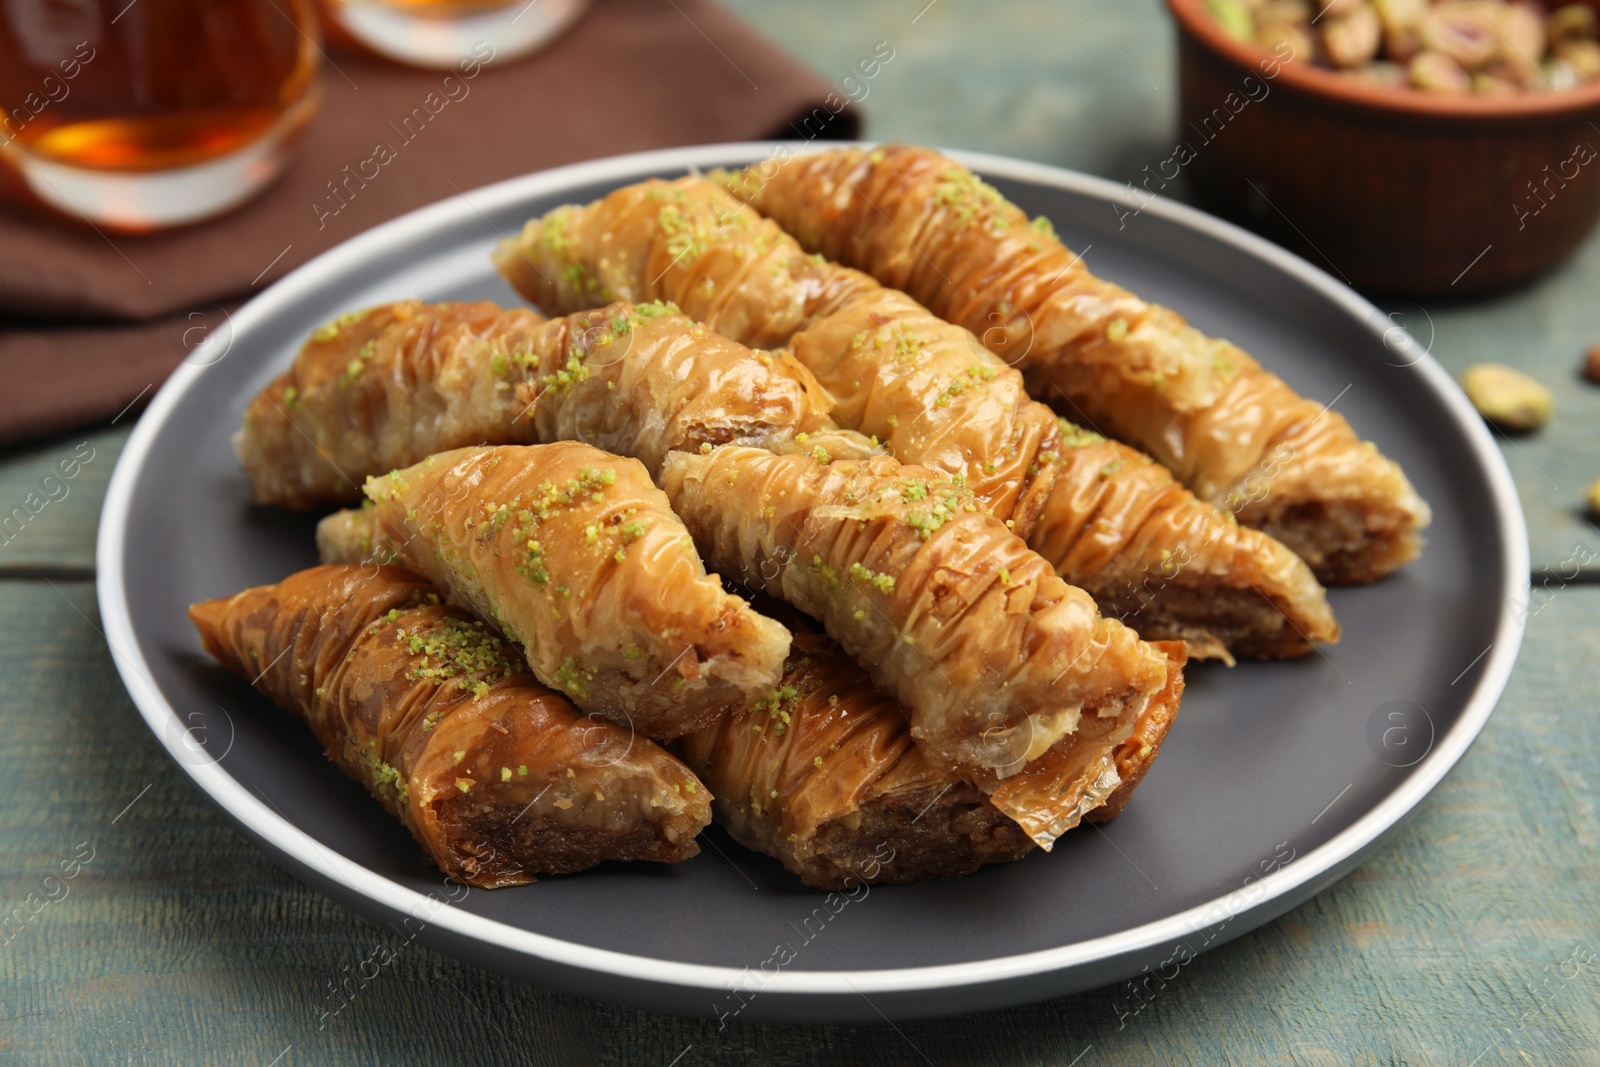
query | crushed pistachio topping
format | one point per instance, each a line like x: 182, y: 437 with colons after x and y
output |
x: 525, y: 356
x: 383, y: 775
x: 884, y: 583
x: 575, y: 372
x: 964, y: 195
x: 532, y: 565
x: 639, y: 314
x: 547, y: 501
x: 944, y: 503
x: 570, y: 679
x: 777, y: 705
x: 460, y: 650
x: 353, y: 369
x: 829, y: 573
x: 683, y: 236
x: 329, y: 331
x: 552, y: 233
x: 1117, y: 330
x: 906, y: 347
x: 974, y: 375
x: 392, y: 616
x: 1075, y: 436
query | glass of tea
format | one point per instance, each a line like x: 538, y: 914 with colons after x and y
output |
x: 440, y: 33
x: 141, y: 115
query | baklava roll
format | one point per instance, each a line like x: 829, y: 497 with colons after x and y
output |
x: 1168, y: 564
x: 635, y: 380
x: 496, y: 776
x: 1234, y: 433
x: 643, y: 380
x: 994, y: 657
x: 577, y: 557
x: 380, y: 389
x: 686, y: 241
x: 822, y: 774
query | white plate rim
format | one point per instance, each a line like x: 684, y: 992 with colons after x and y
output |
x: 270, y: 827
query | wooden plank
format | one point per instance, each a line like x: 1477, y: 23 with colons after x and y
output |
x: 50, y: 498
x: 1090, y: 85
x: 1544, y: 331
x: 179, y: 942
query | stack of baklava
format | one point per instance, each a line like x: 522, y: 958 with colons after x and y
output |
x: 967, y: 511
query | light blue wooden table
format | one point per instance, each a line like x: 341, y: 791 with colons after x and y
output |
x: 1471, y: 939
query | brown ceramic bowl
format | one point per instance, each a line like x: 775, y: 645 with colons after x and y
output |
x: 1398, y: 191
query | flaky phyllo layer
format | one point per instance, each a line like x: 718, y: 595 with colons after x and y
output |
x: 823, y: 774
x: 578, y: 558
x: 380, y: 389
x: 1236, y: 434
x: 498, y: 777
x: 387, y: 387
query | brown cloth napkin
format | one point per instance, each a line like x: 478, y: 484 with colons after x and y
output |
x: 90, y: 323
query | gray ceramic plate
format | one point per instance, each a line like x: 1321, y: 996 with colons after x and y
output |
x: 1276, y: 780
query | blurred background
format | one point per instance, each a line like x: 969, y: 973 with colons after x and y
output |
x: 186, y: 945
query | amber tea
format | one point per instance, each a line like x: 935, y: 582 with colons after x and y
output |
x: 137, y: 116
